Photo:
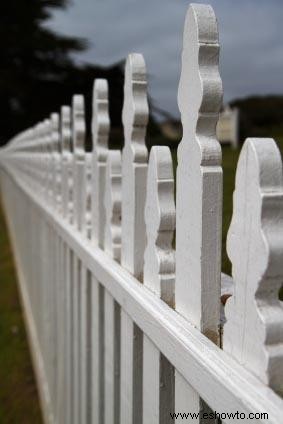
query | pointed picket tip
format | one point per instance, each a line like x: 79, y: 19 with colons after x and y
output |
x: 253, y: 332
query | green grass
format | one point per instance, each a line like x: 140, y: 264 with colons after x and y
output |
x: 229, y: 164
x: 18, y: 394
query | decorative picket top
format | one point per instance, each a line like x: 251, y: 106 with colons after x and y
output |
x: 159, y: 258
x: 57, y: 190
x: 78, y: 126
x: 78, y: 134
x: 54, y: 119
x: 199, y: 188
x: 67, y: 163
x: 66, y: 135
x: 159, y: 277
x: 199, y: 175
x: 108, y: 348
x: 48, y: 140
x: 100, y: 119
x: 134, y: 170
x: 253, y: 333
x: 112, y: 204
x: 100, y: 135
x: 134, y: 164
x: 135, y: 109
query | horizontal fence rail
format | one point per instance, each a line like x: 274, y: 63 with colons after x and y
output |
x: 125, y: 326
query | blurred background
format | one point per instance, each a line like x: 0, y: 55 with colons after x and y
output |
x: 51, y: 49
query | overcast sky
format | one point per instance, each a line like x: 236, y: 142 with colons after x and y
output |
x: 251, y: 39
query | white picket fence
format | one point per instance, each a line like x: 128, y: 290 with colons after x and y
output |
x: 123, y: 328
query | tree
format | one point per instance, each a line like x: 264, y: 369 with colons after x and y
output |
x: 38, y: 74
x: 33, y: 60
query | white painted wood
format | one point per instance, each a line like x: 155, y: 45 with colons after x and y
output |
x: 95, y: 353
x: 218, y: 378
x: 69, y: 334
x: 49, y: 160
x: 127, y: 348
x: 100, y: 133
x: 199, y: 175
x: 84, y: 388
x: 56, y: 161
x: 76, y: 337
x: 253, y: 334
x: 66, y: 158
x: 78, y: 134
x: 199, y: 182
x: 159, y: 258
x: 109, y: 370
x: 134, y: 164
x: 83, y: 359
x: 67, y: 165
x: 112, y: 205
x: 159, y: 277
x: 112, y: 246
x: 87, y: 220
x: 134, y: 170
x: 61, y: 308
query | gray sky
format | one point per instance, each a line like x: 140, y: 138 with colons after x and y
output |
x: 251, y: 39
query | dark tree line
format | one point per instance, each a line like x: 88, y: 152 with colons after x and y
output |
x: 260, y: 115
x: 37, y: 73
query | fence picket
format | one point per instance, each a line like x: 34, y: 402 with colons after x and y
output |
x: 112, y: 245
x: 100, y: 133
x: 253, y: 332
x: 199, y: 185
x: 159, y: 276
x: 134, y: 170
x: 78, y: 128
x: 66, y: 158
